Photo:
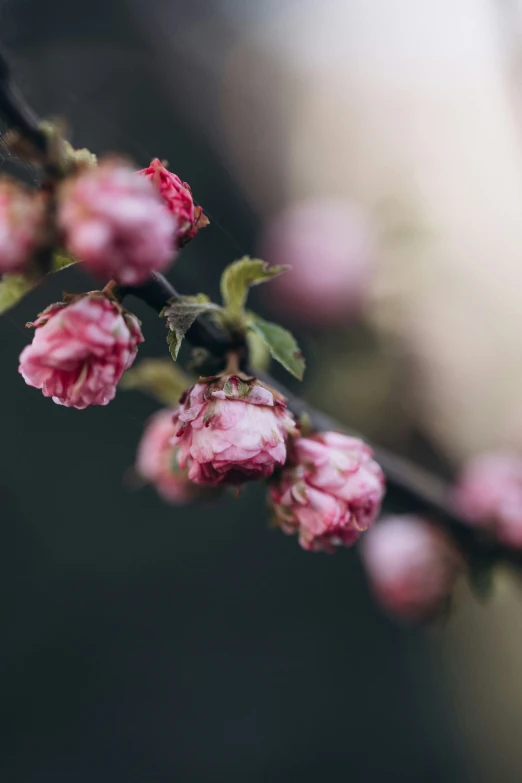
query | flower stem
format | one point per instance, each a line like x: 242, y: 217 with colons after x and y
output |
x: 112, y: 290
x: 232, y: 363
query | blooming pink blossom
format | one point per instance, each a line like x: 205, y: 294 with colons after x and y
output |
x: 115, y: 222
x: 412, y: 566
x: 329, y: 492
x: 21, y: 222
x: 80, y: 350
x: 178, y: 197
x: 157, y: 460
x: 231, y: 430
x: 330, y: 247
x: 489, y: 495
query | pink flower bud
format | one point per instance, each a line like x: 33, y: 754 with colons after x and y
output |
x: 178, y: 197
x: 80, y: 350
x: 330, y: 247
x: 21, y: 222
x: 329, y: 492
x: 115, y: 222
x: 157, y: 461
x: 412, y: 566
x: 489, y: 495
x: 230, y: 430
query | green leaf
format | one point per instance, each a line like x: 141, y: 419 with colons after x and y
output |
x: 62, y: 261
x: 14, y: 287
x: 237, y: 279
x: 181, y: 314
x: 159, y: 378
x: 281, y: 344
x: 258, y: 353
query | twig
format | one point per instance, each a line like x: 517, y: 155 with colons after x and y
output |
x: 16, y: 112
x: 158, y: 292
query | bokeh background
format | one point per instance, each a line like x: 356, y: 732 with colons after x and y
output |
x: 143, y: 643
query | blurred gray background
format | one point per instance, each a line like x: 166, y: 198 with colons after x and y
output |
x: 143, y: 643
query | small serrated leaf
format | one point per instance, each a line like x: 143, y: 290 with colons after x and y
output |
x: 181, y: 314
x: 281, y: 344
x: 237, y: 279
x: 14, y: 287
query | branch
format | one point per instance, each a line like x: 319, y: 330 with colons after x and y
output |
x: 158, y: 292
x: 409, y: 486
x: 16, y: 111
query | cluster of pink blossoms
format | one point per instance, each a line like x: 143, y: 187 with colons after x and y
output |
x: 116, y: 223
x: 326, y: 487
x: 119, y: 222
x: 228, y: 429
x: 231, y: 429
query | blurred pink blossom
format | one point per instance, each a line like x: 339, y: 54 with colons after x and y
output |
x: 157, y: 460
x: 21, y: 223
x: 489, y: 494
x: 330, y: 247
x: 80, y: 350
x: 330, y: 490
x: 411, y: 565
x: 230, y: 431
x: 116, y: 223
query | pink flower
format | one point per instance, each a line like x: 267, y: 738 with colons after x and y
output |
x: 115, y: 222
x: 489, y: 495
x: 80, y: 350
x: 178, y: 197
x: 412, y: 566
x: 330, y: 246
x: 157, y: 460
x: 21, y: 223
x: 231, y: 430
x: 329, y: 492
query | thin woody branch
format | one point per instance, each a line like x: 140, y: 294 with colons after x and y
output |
x: 16, y: 112
x: 157, y: 292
